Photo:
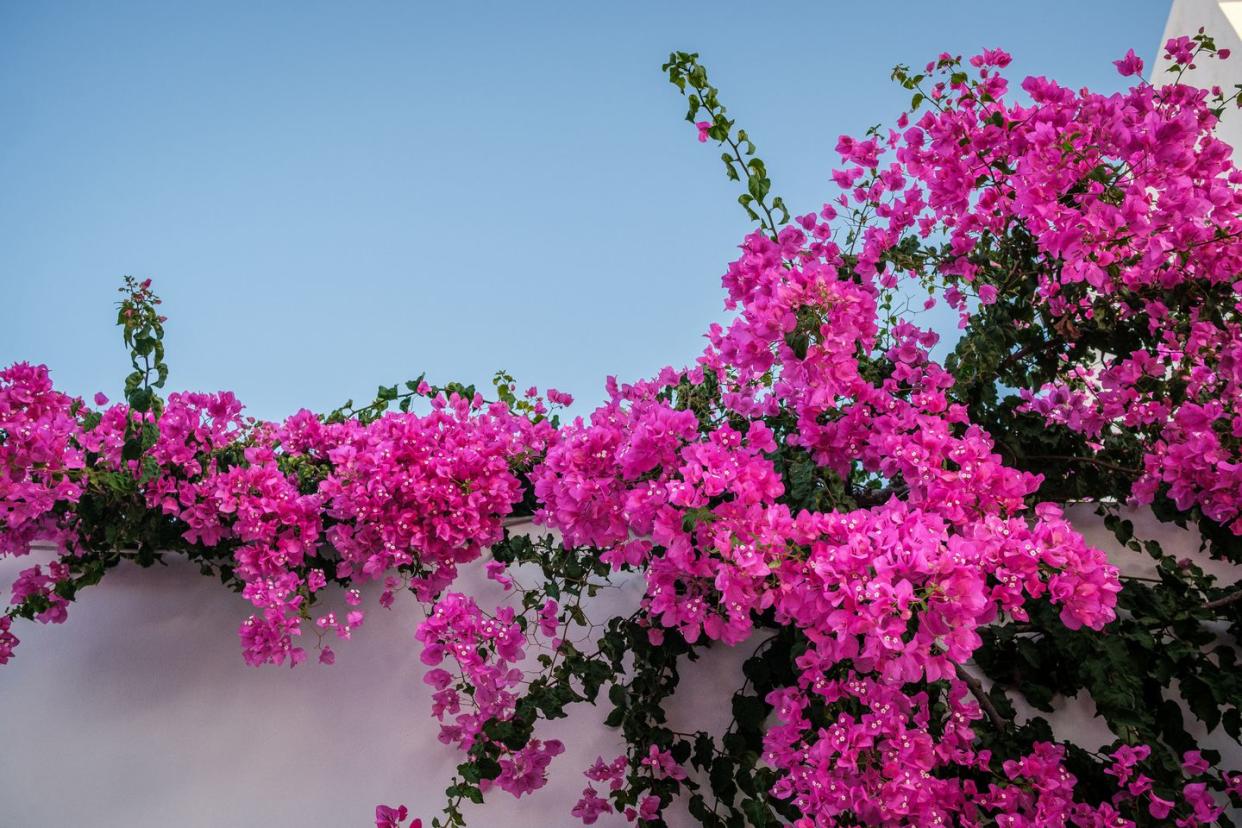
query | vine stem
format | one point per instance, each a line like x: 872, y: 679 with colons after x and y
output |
x: 1072, y: 458
x: 976, y: 689
x: 771, y: 227
x: 1224, y: 600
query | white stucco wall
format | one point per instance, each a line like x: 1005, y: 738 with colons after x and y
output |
x: 138, y: 712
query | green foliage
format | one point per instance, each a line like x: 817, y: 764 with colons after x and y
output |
x: 690, y: 77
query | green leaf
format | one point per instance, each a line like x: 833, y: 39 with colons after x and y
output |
x: 1200, y: 700
x: 140, y: 400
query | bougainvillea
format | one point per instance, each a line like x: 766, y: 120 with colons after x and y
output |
x: 878, y: 527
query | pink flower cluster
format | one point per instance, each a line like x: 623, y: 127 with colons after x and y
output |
x: 8, y: 641
x: 487, y: 650
x: 41, y: 460
x: 525, y: 770
x: 656, y: 764
x: 1133, y: 204
x: 897, y: 591
x: 405, y: 493
x: 408, y: 493
x: 881, y: 766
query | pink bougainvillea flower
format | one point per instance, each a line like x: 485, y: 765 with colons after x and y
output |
x: 1129, y: 65
x: 387, y: 817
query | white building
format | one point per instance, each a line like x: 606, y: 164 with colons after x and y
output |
x: 1222, y: 19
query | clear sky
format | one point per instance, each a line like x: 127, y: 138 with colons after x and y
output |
x: 333, y: 195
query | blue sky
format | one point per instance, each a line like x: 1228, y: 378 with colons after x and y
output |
x: 330, y: 196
